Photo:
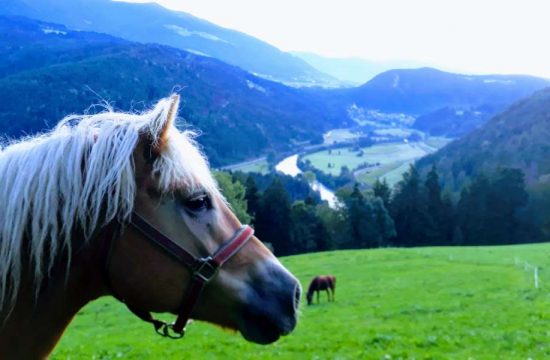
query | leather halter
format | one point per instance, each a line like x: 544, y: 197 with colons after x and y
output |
x: 203, y: 269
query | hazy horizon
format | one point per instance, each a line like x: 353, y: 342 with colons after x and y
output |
x: 499, y: 37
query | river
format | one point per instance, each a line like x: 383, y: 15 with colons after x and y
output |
x: 289, y: 166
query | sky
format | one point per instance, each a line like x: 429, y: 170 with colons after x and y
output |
x: 468, y: 36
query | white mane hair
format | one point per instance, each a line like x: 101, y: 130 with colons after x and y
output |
x: 81, y: 176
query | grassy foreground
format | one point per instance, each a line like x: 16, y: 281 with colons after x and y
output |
x: 428, y: 303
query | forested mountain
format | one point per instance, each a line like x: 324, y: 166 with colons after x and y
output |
x: 517, y: 138
x: 152, y: 23
x: 455, y: 121
x: 48, y: 71
x: 420, y: 91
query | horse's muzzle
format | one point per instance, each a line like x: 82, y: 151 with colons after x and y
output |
x: 271, y: 309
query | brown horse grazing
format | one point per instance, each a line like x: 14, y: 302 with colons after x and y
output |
x: 319, y: 283
x: 125, y: 205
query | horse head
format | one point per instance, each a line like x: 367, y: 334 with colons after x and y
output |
x: 176, y: 194
x: 309, y: 297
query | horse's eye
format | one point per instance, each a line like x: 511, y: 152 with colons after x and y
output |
x: 198, y: 203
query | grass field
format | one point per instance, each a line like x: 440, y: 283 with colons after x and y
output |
x: 339, y: 135
x: 259, y: 166
x: 391, y: 172
x: 382, y: 153
x: 428, y: 303
x: 392, y: 159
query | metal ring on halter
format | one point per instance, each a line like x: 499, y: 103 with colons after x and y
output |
x: 167, y: 330
x: 207, y: 269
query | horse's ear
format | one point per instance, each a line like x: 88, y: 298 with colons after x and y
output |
x: 163, y: 122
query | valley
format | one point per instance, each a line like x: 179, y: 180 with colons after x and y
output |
x: 387, y: 158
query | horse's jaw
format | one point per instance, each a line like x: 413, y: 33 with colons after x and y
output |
x: 271, y: 309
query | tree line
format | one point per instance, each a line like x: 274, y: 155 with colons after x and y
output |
x: 292, y: 219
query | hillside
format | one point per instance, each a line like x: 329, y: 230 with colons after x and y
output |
x: 517, y: 138
x: 151, y: 23
x: 455, y: 121
x: 356, y: 71
x: 437, y: 303
x: 420, y: 91
x: 49, y: 71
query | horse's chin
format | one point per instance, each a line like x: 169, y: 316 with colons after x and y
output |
x: 260, y: 330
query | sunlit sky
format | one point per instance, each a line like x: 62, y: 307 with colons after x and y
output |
x: 469, y: 36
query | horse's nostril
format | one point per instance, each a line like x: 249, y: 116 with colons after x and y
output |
x: 297, y: 296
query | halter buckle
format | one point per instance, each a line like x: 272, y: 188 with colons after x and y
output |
x: 207, y: 269
x: 167, y: 331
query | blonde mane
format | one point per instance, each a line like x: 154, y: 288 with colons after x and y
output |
x: 81, y: 176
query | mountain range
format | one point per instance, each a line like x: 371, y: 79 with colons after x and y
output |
x: 421, y: 91
x: 49, y: 71
x: 152, y: 23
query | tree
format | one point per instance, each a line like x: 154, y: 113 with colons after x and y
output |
x: 436, y: 210
x: 446, y: 220
x: 382, y: 190
x: 369, y: 224
x: 357, y: 218
x: 385, y: 226
x: 413, y: 224
x: 472, y: 211
x: 487, y: 210
x: 334, y: 221
x: 308, y: 232
x: 252, y: 196
x: 234, y: 193
x: 507, y: 195
x: 433, y: 189
x: 273, y: 223
x: 344, y: 171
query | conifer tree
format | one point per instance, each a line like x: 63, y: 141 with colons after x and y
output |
x: 252, y: 196
x: 413, y: 224
x: 382, y: 190
x: 273, y: 223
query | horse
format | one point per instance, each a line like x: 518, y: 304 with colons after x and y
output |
x: 319, y: 283
x: 124, y: 205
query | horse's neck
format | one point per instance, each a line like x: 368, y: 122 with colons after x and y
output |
x: 34, y: 327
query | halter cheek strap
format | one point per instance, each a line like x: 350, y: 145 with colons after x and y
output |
x: 203, y: 270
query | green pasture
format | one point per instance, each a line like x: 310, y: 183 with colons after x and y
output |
x: 340, y: 135
x: 384, y: 154
x: 400, y: 132
x: 391, y: 159
x: 259, y: 166
x: 424, y: 303
x: 391, y: 172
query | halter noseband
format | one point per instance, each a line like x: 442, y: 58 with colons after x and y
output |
x: 203, y: 269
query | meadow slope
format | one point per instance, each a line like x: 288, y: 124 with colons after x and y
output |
x: 424, y: 303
